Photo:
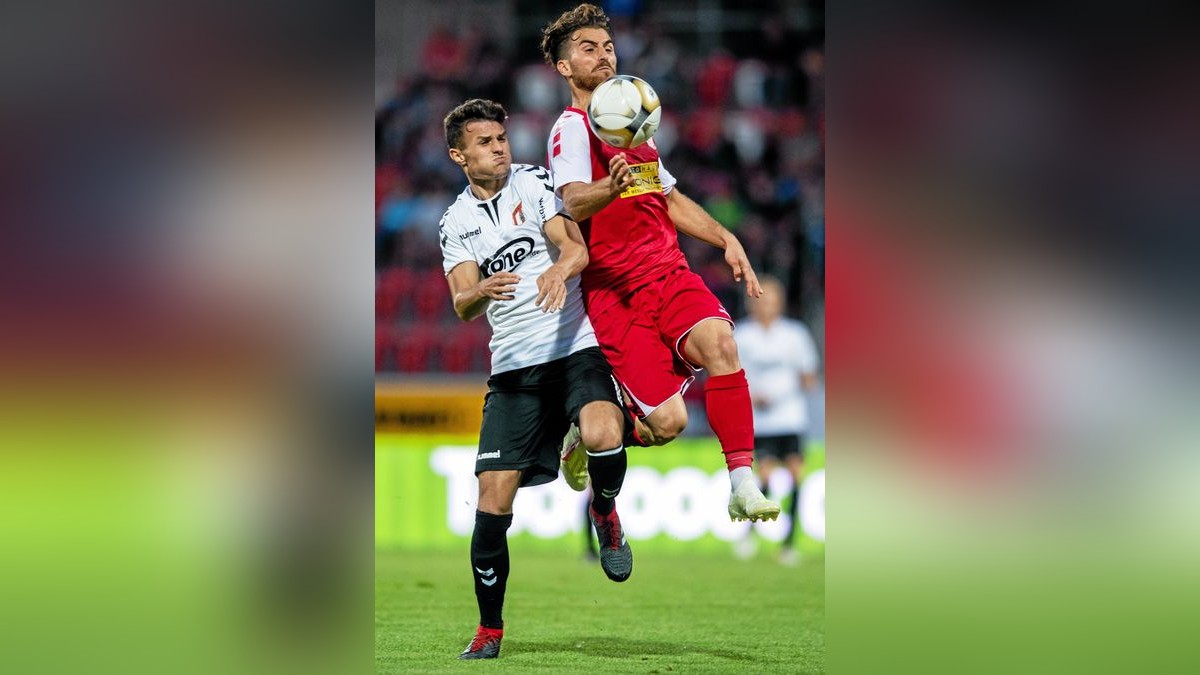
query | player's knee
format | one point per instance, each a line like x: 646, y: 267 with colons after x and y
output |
x: 603, y: 436
x: 717, y: 352
x: 668, y: 426
x: 725, y: 354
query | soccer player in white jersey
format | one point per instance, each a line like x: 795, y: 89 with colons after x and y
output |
x: 781, y: 362
x: 508, y: 250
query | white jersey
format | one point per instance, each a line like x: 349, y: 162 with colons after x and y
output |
x: 504, y: 234
x: 774, y: 359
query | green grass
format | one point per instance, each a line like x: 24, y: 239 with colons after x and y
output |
x: 707, y: 613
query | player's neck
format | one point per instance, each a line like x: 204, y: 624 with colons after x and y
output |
x: 486, y: 189
x: 580, y: 98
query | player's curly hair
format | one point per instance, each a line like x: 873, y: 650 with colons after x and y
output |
x: 555, y: 35
x: 470, y: 111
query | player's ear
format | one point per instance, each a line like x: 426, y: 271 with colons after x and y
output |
x: 457, y: 157
x: 564, y: 67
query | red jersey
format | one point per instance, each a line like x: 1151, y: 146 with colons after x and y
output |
x: 632, y: 240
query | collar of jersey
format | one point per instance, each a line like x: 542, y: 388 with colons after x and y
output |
x: 471, y: 195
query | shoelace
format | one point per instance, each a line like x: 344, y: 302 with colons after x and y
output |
x: 481, y: 639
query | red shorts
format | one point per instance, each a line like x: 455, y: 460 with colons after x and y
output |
x: 640, y: 333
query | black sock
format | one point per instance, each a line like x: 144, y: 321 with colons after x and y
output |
x: 489, y: 566
x: 607, y: 469
x: 794, y: 511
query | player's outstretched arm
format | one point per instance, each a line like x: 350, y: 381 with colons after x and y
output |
x: 573, y: 257
x: 583, y: 200
x: 471, y: 292
x: 694, y: 221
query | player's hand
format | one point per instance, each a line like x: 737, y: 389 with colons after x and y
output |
x: 500, y: 286
x: 735, y: 257
x: 552, y: 290
x: 619, y: 176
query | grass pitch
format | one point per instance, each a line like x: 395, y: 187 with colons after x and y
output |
x: 677, y: 613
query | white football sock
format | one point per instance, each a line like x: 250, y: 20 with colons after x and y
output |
x: 740, y: 475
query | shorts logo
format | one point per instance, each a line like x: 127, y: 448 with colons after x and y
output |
x: 488, y: 455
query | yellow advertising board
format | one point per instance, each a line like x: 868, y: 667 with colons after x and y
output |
x: 429, y: 407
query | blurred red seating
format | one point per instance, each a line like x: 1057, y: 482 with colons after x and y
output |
x: 431, y: 296
x: 416, y: 347
x: 392, y: 288
x: 385, y: 350
x: 465, y: 349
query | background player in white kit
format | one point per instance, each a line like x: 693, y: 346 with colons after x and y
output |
x: 781, y: 363
x: 508, y: 250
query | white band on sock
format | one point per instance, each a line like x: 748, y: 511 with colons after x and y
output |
x: 740, y: 474
x: 605, y: 453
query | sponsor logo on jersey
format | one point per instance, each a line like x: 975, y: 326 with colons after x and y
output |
x: 645, y: 179
x: 508, y: 256
x: 468, y: 235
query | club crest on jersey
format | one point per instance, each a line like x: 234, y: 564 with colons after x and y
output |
x: 508, y: 256
x: 518, y: 214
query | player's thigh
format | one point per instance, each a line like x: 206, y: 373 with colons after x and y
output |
x: 520, y: 431
x: 592, y: 399
x: 710, y: 345
x: 687, y: 307
x: 643, y: 363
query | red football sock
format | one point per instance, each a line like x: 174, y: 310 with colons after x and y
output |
x: 727, y: 403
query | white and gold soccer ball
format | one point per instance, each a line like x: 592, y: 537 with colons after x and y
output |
x: 624, y: 111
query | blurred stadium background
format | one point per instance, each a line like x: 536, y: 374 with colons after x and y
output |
x: 743, y: 91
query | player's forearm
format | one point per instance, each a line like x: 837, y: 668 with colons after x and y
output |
x: 694, y: 221
x: 572, y: 259
x: 582, y: 201
x: 470, y: 303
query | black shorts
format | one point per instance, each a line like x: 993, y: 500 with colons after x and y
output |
x: 527, y: 412
x: 779, y: 447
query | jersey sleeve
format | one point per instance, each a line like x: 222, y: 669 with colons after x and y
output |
x: 454, y: 249
x: 668, y: 181
x: 537, y: 191
x: 570, y: 152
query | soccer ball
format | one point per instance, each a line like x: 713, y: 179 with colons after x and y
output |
x: 624, y: 111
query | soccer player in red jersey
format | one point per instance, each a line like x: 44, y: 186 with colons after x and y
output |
x: 654, y: 318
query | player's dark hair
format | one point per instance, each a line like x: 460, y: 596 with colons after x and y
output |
x: 470, y: 111
x: 557, y: 33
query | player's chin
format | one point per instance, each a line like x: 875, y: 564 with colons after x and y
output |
x: 592, y: 81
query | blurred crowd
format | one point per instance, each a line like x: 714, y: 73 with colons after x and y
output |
x: 743, y: 132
